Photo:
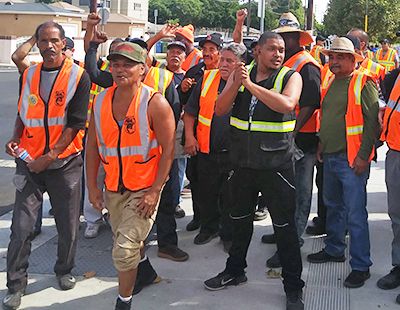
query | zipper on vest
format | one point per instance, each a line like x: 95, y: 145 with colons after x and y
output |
x: 390, y: 115
x: 121, y: 181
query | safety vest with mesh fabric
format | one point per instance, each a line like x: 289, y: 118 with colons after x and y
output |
x: 159, y: 79
x: 296, y: 62
x: 388, y: 61
x: 391, y: 119
x: 130, y: 154
x: 44, y: 126
x: 95, y: 90
x: 192, y: 59
x: 208, y: 96
x: 375, y: 69
x: 369, y: 54
x: 315, y: 53
x: 354, y: 117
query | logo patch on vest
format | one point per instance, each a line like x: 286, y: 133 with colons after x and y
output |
x: 32, y: 100
x: 130, y: 124
x: 60, y: 97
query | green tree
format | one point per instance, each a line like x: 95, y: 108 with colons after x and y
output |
x: 383, y: 17
x: 296, y: 7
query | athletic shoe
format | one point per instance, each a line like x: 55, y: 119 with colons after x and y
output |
x: 66, y: 281
x: 123, y: 305
x: 179, y: 212
x: 223, y: 280
x: 205, y: 238
x: 92, y: 230
x: 13, y: 300
x: 294, y: 301
x: 323, y: 257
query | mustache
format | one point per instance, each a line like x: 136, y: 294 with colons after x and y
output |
x: 335, y: 66
x: 175, y: 58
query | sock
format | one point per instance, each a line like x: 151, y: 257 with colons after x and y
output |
x: 125, y: 299
x: 143, y: 259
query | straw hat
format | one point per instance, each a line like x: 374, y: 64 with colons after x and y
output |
x: 343, y: 45
x: 289, y: 23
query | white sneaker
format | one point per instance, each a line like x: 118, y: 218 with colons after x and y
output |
x: 92, y: 230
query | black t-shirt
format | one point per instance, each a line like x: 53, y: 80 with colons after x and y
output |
x: 388, y: 83
x: 220, y: 126
x: 196, y: 72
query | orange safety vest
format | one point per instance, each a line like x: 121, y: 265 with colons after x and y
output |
x: 354, y: 117
x: 208, y: 96
x: 315, y: 53
x: 296, y: 62
x: 158, y: 79
x: 192, y: 59
x: 369, y: 54
x: 376, y: 70
x: 391, y: 119
x: 45, y: 126
x: 129, y: 154
x: 388, y: 60
x: 79, y: 63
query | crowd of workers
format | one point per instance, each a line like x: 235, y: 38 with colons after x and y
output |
x: 239, y: 127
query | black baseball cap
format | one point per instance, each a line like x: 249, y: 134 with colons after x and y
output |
x: 139, y: 42
x: 215, y: 38
x: 385, y: 41
x: 176, y: 44
x: 69, y: 43
x: 320, y: 38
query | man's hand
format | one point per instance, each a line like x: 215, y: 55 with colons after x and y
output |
x: 240, y: 74
x: 319, y: 153
x: 10, y: 145
x: 187, y: 84
x: 360, y: 165
x: 191, y: 146
x: 241, y: 15
x: 100, y: 37
x: 381, y: 114
x: 40, y: 163
x: 96, y: 198
x: 93, y: 19
x: 168, y: 31
x: 148, y: 203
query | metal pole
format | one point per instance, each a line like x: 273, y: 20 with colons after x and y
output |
x: 248, y: 16
x: 262, y: 16
x: 310, y: 15
x: 366, y: 16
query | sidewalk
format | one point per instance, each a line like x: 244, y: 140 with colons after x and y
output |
x: 182, y: 285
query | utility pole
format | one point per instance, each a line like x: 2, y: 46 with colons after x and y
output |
x: 288, y: 6
x: 248, y: 16
x: 366, y: 16
x: 310, y: 15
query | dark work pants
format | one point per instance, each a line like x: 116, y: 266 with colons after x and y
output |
x: 319, y: 182
x: 214, y: 169
x: 192, y: 176
x: 244, y: 186
x: 64, y: 188
x: 165, y: 220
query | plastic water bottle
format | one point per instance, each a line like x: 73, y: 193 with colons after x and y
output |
x: 23, y: 154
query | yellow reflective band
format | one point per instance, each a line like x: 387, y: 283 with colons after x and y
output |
x: 239, y: 124
x: 157, y: 80
x: 357, y: 89
x: 105, y: 65
x: 165, y: 82
x: 208, y: 82
x: 355, y: 130
x: 205, y: 121
x: 263, y: 126
x: 278, y: 85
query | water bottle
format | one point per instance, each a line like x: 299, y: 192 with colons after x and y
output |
x: 23, y: 154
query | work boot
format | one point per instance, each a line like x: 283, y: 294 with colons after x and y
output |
x: 122, y: 305
x: 172, y: 252
x: 391, y: 280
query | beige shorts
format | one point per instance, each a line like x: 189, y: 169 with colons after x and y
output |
x: 128, y: 227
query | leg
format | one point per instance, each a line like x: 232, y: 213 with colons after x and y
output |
x: 192, y: 175
x: 92, y: 215
x: 65, y: 195
x: 225, y: 203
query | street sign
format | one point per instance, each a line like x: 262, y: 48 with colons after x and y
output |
x: 104, y: 16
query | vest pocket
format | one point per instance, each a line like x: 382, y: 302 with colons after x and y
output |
x: 272, y: 146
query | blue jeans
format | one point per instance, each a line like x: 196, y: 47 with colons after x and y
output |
x: 177, y: 175
x: 345, y: 197
x: 304, y: 172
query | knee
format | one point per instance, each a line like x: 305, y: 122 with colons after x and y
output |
x: 126, y: 254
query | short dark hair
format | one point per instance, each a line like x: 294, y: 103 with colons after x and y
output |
x: 50, y: 24
x: 117, y: 40
x: 268, y: 35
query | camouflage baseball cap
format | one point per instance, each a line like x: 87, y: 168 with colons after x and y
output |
x: 129, y: 50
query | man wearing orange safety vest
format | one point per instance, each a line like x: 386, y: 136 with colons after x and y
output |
x: 307, y: 120
x: 132, y: 132
x: 49, y: 126
x: 349, y: 120
x: 211, y: 144
x: 387, y: 56
x: 391, y: 134
x: 316, y: 50
x: 193, y: 55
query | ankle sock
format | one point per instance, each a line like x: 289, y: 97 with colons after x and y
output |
x: 124, y: 299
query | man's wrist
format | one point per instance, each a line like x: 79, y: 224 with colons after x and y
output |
x: 93, y: 44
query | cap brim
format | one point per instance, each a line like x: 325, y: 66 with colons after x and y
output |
x: 176, y: 45
x: 358, y: 57
x: 204, y: 41
x: 114, y: 56
x: 305, y: 37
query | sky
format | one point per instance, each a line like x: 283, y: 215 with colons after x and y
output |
x: 320, y: 7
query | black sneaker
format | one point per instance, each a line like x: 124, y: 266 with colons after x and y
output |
x: 316, y: 230
x: 122, y: 305
x: 146, y: 275
x: 261, y: 214
x: 268, y: 239
x: 204, y: 238
x: 13, y: 300
x: 294, y: 301
x: 391, y: 280
x: 179, y: 212
x: 193, y: 225
x: 357, y: 278
x: 172, y: 252
x: 323, y: 257
x: 223, y: 280
x: 66, y: 281
x: 274, y: 261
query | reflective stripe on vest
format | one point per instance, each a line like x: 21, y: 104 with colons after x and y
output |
x: 267, y: 126
x: 315, y: 53
x: 32, y: 110
x: 132, y: 149
x: 159, y: 79
x: 388, y: 61
x: 376, y: 69
x: 391, y: 119
x: 192, y: 59
x: 207, y: 100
